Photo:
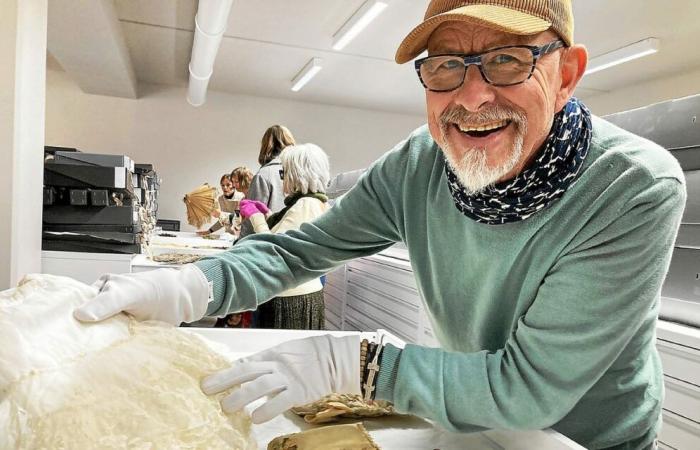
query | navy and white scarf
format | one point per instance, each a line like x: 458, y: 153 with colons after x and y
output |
x: 538, y: 186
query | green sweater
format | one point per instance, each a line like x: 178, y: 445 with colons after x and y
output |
x: 547, y: 322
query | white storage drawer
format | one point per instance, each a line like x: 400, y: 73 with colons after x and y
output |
x: 382, y: 310
x: 682, y: 398
x: 679, y: 348
x: 386, y: 270
x: 333, y: 321
x: 333, y: 305
x: 679, y: 361
x: 679, y: 433
x: 84, y: 267
x: 350, y: 323
x: 365, y: 321
x: 406, y: 306
x: 334, y: 291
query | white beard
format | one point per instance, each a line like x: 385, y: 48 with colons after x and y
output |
x: 472, y: 168
x: 473, y: 171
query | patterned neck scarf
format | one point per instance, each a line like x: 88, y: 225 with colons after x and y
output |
x: 538, y: 186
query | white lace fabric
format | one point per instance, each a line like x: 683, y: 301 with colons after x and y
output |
x: 115, y: 384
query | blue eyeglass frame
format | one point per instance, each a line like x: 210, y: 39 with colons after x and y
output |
x: 475, y: 60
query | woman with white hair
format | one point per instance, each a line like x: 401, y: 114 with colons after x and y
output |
x: 305, y: 174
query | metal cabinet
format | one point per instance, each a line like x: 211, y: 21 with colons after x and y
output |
x: 679, y: 348
x: 378, y: 292
x: 334, y: 299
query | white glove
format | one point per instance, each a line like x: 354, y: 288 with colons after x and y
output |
x: 291, y: 374
x: 168, y: 295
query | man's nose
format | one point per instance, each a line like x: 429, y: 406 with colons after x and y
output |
x: 475, y: 92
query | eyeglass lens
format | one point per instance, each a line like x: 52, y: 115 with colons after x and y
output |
x: 500, y: 67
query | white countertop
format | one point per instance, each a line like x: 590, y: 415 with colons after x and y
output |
x: 397, y: 432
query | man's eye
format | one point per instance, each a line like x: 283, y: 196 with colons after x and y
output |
x: 504, y: 58
x: 450, y: 64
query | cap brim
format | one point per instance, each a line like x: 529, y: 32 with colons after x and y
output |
x: 491, y: 16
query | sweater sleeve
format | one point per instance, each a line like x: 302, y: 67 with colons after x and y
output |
x: 259, y: 189
x: 590, y: 305
x: 259, y: 223
x: 258, y: 267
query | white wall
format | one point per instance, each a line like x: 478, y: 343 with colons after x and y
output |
x: 635, y: 96
x: 189, y: 146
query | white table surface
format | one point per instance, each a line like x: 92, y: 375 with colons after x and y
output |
x: 398, y: 432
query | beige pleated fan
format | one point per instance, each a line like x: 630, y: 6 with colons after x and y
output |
x: 200, y: 203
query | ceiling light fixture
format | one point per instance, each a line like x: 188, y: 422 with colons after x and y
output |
x: 306, y: 74
x: 622, y: 55
x: 362, y: 17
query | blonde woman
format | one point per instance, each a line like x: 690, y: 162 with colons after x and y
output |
x: 305, y: 174
x: 266, y: 186
x: 242, y: 177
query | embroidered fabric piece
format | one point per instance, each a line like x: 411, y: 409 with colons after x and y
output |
x: 351, y: 436
x: 177, y: 258
x: 341, y: 406
x: 112, y: 385
x: 538, y: 186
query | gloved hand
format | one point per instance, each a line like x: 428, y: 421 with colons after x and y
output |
x: 291, y: 374
x: 250, y: 207
x: 169, y: 295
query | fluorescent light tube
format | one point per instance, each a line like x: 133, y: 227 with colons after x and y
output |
x: 622, y: 55
x: 306, y: 74
x: 362, y: 17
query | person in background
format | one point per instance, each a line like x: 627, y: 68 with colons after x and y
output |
x: 539, y: 235
x: 241, y: 177
x: 305, y: 174
x: 228, y: 204
x: 266, y: 186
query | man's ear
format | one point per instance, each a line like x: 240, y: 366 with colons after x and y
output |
x: 572, y: 67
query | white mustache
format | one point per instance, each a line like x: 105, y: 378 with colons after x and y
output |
x: 459, y: 115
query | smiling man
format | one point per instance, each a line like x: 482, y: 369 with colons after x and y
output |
x: 539, y: 236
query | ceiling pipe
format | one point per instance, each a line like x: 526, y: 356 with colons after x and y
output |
x: 209, y: 27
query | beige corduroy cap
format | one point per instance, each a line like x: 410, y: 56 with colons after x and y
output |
x: 522, y: 17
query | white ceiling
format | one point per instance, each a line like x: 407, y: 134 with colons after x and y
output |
x: 268, y: 42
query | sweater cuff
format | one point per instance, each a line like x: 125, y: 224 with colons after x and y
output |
x: 215, y: 275
x: 259, y: 223
x: 391, y: 357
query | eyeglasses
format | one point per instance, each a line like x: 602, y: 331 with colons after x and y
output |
x: 502, y: 66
